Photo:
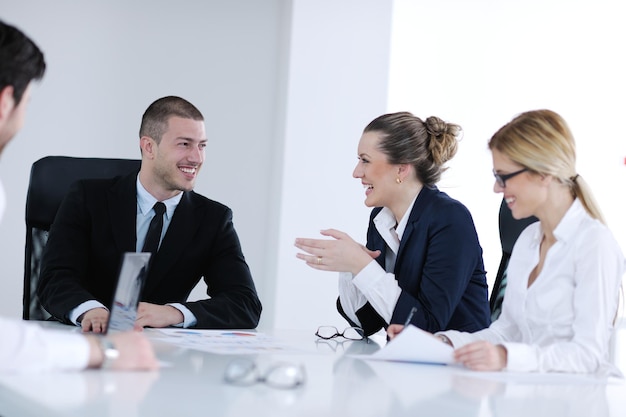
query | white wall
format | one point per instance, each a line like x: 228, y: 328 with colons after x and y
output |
x: 338, y: 71
x: 107, y: 61
x: 285, y: 86
x: 479, y: 63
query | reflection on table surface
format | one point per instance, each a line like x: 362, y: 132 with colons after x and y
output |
x: 191, y: 383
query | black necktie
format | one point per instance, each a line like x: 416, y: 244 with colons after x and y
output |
x: 154, y: 231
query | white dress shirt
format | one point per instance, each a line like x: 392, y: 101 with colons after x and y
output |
x: 563, y: 322
x: 145, y: 213
x: 375, y: 284
x: 27, y: 347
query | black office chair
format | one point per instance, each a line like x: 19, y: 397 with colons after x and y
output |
x: 510, y: 230
x: 50, y: 179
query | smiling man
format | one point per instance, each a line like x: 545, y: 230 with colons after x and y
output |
x: 101, y: 219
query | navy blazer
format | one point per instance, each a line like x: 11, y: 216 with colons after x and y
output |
x: 439, y: 269
x: 96, y: 224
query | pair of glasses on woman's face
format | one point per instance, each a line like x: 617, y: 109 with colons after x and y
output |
x: 501, y: 179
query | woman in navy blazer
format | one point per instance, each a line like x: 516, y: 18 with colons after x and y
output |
x: 429, y: 268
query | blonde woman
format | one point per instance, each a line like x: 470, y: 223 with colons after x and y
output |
x: 565, y: 270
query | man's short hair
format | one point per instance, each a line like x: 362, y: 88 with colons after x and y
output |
x: 21, y: 61
x: 155, y: 118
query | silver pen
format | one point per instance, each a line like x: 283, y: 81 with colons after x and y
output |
x: 410, y: 316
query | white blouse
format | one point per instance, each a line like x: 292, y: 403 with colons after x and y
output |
x: 563, y: 322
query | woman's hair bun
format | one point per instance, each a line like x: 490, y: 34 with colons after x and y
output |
x: 435, y: 126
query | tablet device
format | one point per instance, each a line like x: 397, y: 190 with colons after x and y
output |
x: 133, y: 272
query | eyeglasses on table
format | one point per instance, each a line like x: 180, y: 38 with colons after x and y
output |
x: 332, y: 345
x: 282, y: 375
x: 329, y: 332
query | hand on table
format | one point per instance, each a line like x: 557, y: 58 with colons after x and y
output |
x: 341, y: 254
x: 479, y: 356
x: 155, y: 315
x: 135, y: 351
x: 393, y: 330
x: 482, y: 356
x: 94, y: 320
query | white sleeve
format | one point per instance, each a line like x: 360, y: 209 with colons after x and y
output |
x: 26, y: 347
x: 504, y: 329
x: 498, y: 333
x: 83, y: 308
x: 189, y: 319
x: 380, y: 288
x: 350, y: 297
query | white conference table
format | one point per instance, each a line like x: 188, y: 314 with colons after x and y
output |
x: 336, y: 385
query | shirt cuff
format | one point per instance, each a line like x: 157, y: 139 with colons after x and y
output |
x: 189, y: 318
x: 521, y: 357
x: 379, y: 288
x: 83, y: 308
x: 457, y: 338
x: 368, y: 276
x: 350, y: 297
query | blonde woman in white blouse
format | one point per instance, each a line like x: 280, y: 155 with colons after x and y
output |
x: 565, y: 270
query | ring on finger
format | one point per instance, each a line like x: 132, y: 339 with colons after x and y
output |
x: 319, y: 260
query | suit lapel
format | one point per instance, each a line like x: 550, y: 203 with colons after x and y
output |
x: 422, y: 202
x: 122, y: 205
x: 375, y: 241
x: 381, y: 245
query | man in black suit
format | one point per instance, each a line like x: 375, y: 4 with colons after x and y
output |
x: 99, y: 220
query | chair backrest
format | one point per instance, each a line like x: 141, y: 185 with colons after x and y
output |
x: 50, y: 179
x: 510, y: 230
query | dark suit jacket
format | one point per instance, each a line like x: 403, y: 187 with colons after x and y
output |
x: 96, y: 224
x: 439, y: 268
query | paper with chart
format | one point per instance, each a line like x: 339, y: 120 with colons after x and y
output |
x: 228, y: 342
x: 414, y: 345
